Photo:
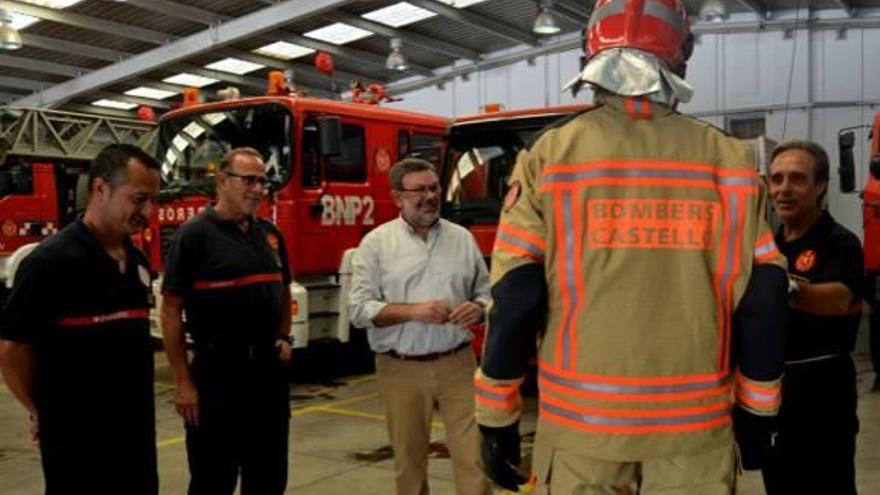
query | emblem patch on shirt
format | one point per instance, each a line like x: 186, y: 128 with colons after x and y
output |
x: 144, y: 275
x: 512, y: 196
x: 805, y: 261
x: 272, y: 239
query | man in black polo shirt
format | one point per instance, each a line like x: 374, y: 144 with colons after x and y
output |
x: 817, y: 421
x: 75, y: 346
x: 228, y: 270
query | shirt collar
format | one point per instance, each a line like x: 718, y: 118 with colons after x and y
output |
x: 412, y: 231
x: 89, y: 238
x: 212, y: 215
x: 818, y: 230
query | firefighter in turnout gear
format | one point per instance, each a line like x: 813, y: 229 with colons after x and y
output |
x: 632, y: 246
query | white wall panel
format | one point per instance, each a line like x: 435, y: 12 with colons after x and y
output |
x: 870, y: 68
x: 835, y: 66
x: 702, y: 73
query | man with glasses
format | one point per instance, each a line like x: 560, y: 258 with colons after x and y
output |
x: 419, y: 283
x: 228, y: 270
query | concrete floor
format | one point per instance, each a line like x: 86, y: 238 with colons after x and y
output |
x: 339, y: 443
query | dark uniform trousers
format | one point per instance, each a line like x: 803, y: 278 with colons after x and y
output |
x: 244, y: 419
x: 818, y: 426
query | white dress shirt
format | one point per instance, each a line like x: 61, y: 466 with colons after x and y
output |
x: 393, y: 264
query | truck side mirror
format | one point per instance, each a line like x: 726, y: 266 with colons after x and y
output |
x: 330, y: 132
x: 847, y: 169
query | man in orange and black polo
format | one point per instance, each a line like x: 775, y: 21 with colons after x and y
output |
x: 75, y: 346
x: 228, y: 270
x: 817, y: 421
x: 629, y: 238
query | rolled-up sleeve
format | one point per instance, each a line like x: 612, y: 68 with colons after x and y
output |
x: 482, y: 293
x: 365, y: 299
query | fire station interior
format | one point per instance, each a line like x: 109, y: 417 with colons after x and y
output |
x: 331, y: 93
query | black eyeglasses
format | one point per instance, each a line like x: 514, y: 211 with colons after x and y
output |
x: 423, y: 191
x: 250, y: 180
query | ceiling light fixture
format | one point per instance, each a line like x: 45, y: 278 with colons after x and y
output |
x: 396, y: 59
x: 545, y: 24
x: 9, y: 37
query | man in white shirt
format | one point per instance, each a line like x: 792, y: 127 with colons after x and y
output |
x: 419, y: 283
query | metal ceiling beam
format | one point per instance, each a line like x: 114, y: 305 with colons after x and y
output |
x: 562, y: 43
x: 340, y: 76
x: 478, y: 21
x: 575, y: 8
x: 149, y: 83
x: 425, y: 42
x: 41, y: 66
x: 91, y: 109
x: 756, y: 6
x: 20, y: 83
x: 564, y: 14
x: 210, y: 18
x: 847, y: 7
x: 180, y: 11
x: 263, y: 20
x: 347, y: 52
x: 149, y: 102
x: 72, y: 48
x: 88, y: 22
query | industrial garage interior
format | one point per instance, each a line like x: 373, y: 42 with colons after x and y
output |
x: 76, y: 75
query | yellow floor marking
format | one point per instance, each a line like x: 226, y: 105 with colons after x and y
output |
x: 344, y: 402
x: 361, y: 379
x: 301, y: 411
x: 362, y: 414
x: 350, y: 412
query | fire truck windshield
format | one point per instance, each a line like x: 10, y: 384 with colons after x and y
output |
x: 480, y: 161
x: 191, y: 146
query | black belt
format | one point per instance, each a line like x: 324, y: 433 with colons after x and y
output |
x: 237, y: 352
x: 433, y: 356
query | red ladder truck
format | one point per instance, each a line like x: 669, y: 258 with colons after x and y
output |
x: 43, y: 154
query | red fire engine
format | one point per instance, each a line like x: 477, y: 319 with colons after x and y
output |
x: 329, y: 162
x: 43, y: 153
x: 870, y: 194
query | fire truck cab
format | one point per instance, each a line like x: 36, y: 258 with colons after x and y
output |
x: 328, y: 161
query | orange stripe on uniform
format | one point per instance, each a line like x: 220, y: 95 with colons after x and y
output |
x: 87, y: 321
x: 260, y: 278
x: 522, y: 234
x: 766, y: 250
x: 497, y: 396
x: 634, y: 421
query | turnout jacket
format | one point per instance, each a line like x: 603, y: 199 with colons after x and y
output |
x: 627, y: 240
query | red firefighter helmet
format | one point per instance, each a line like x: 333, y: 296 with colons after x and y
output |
x: 660, y: 27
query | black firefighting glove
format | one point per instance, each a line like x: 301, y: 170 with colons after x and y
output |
x: 501, y: 455
x: 756, y: 436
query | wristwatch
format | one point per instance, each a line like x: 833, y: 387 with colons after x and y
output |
x: 285, y: 338
x: 794, y: 290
